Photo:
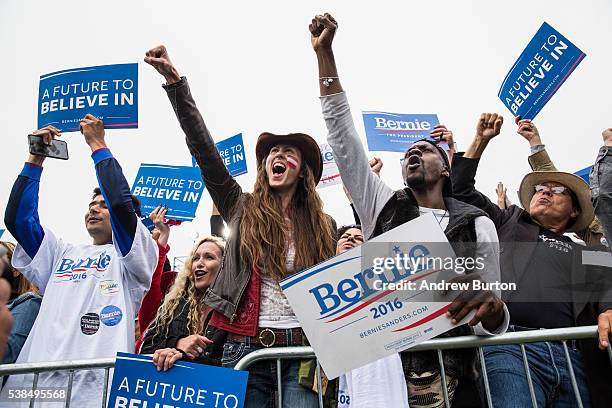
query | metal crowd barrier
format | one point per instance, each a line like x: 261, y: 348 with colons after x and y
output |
x: 285, y: 353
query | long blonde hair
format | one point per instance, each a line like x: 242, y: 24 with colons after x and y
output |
x: 184, y: 289
x: 263, y: 228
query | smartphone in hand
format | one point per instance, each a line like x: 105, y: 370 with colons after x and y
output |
x: 57, y: 150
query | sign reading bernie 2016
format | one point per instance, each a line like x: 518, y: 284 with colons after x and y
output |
x: 396, y: 132
x: 179, y: 188
x: 231, y: 151
x: 539, y: 72
x: 137, y: 383
x: 109, y: 92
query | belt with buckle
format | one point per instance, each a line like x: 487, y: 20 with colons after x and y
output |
x: 269, y: 337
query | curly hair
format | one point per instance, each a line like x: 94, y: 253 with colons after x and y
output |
x: 184, y: 289
x: 263, y: 230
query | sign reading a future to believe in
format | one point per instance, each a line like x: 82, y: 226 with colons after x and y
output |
x: 539, y: 72
x: 109, y: 92
x: 231, y: 151
x: 179, y: 188
x: 137, y: 383
x: 396, y: 132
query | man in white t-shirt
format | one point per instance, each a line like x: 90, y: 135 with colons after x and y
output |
x: 92, y: 292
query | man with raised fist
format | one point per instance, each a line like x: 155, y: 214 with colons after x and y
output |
x: 426, y: 173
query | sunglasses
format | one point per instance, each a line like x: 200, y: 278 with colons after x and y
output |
x: 555, y: 190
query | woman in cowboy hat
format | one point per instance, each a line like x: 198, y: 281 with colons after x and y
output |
x: 278, y: 230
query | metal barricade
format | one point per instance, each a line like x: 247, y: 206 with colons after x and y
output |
x: 285, y: 353
x: 449, y: 343
x: 71, y: 366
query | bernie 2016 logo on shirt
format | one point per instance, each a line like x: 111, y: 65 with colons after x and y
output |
x: 76, y: 270
x: 111, y: 315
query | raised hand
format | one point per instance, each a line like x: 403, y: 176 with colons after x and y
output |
x: 322, y: 31
x: 489, y: 126
x: 47, y: 134
x: 442, y: 134
x: 528, y: 130
x: 376, y: 165
x: 502, y: 196
x: 93, y: 130
x: 159, y: 59
x: 161, y: 233
x: 607, y: 137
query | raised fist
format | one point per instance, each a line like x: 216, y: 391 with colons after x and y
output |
x: 607, y: 137
x: 322, y: 31
x: 489, y: 126
x: 159, y: 59
x: 376, y: 165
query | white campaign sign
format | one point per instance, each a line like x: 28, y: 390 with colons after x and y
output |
x: 331, y: 174
x: 350, y: 321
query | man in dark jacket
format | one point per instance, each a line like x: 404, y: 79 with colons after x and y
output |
x: 554, y: 289
x: 426, y: 172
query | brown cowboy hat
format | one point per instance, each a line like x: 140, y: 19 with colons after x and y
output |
x: 311, y: 153
x: 577, y: 185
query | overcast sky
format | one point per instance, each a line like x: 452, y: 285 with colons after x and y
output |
x: 252, y: 69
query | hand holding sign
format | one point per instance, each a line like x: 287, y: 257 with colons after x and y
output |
x: 165, y: 358
x: 159, y: 59
x: 442, y: 134
x: 489, y: 308
x: 528, y: 130
x: 322, y: 31
x: 93, y: 130
x: 489, y: 126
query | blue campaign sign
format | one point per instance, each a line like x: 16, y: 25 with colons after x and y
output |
x: 109, y: 92
x: 539, y: 72
x: 584, y: 173
x: 395, y: 132
x: 137, y: 383
x: 179, y: 188
x: 232, y: 153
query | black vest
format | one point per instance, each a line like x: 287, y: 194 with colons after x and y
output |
x: 461, y: 233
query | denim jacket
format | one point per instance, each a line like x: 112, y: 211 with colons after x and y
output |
x: 24, y: 309
x: 601, y: 189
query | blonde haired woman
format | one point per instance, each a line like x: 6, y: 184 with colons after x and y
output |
x: 178, y: 328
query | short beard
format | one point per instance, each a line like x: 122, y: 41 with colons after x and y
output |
x: 416, y: 182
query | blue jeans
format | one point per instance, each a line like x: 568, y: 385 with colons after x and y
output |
x: 262, y: 385
x: 549, y: 374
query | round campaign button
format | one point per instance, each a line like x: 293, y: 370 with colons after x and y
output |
x: 90, y: 323
x: 111, y: 315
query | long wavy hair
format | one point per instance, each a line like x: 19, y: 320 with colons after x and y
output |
x: 184, y: 289
x: 263, y: 230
